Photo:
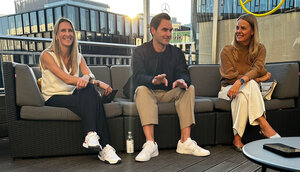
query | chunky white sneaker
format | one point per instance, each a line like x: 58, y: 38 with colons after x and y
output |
x: 150, y: 149
x: 191, y: 147
x: 92, y: 141
x: 108, y: 155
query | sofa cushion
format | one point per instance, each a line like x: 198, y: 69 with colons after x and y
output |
x: 112, y: 109
x: 206, y: 79
x: 276, y: 104
x: 120, y: 75
x: 27, y: 91
x: 273, y: 104
x: 58, y: 113
x: 221, y: 104
x: 288, y: 80
x: 201, y: 105
x: 47, y: 113
x: 129, y: 108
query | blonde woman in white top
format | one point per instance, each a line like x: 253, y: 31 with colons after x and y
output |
x: 62, y: 87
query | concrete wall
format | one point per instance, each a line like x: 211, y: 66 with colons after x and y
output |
x: 277, y: 32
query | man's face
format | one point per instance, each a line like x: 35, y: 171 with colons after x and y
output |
x: 163, y: 33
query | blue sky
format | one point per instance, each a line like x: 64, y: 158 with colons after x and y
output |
x: 178, y: 8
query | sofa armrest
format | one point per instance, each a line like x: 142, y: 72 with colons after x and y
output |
x: 288, y: 80
x: 27, y: 90
x: 12, y: 110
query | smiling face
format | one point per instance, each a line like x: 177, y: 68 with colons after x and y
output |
x: 243, y: 32
x: 65, y: 34
x: 162, y: 35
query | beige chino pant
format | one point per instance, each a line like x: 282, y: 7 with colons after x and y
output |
x: 248, y: 105
x: 147, y: 99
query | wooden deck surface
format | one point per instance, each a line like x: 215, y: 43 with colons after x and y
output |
x: 222, y: 158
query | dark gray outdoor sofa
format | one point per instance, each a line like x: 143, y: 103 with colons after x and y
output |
x: 37, y: 130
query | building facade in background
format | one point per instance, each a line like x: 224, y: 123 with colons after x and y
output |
x: 22, y: 6
x: 92, y: 21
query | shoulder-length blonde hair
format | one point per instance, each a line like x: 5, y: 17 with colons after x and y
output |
x: 254, y: 42
x: 54, y: 46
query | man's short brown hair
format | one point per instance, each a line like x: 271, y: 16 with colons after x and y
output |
x: 157, y: 19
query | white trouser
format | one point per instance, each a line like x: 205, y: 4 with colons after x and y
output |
x: 248, y: 104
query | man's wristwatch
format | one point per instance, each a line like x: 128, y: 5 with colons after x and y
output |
x: 242, y: 80
x: 92, y: 76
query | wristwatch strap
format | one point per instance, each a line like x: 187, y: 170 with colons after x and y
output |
x: 242, y: 80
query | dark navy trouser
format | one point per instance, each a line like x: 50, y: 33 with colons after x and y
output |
x: 86, y: 103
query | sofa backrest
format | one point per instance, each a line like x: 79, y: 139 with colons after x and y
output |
x: 37, y: 72
x: 288, y: 80
x: 27, y: 91
x: 101, y: 73
x: 120, y: 75
x: 206, y: 79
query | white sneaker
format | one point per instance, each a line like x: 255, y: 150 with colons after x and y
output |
x: 275, y: 136
x: 191, y: 147
x: 108, y: 155
x: 150, y: 149
x: 92, y: 141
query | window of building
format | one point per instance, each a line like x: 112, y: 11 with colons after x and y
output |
x: 42, y: 22
x: 127, y: 26
x: 94, y: 21
x: 47, y: 35
x: 120, y: 25
x: 135, y: 27
x: 3, y: 26
x: 228, y: 6
x: 84, y: 19
x: 103, y: 22
x: 26, y: 23
x: 57, y: 13
x: 11, y: 25
x: 141, y: 27
x: 69, y: 12
x: 39, y: 45
x: 31, y: 43
x: 19, y: 24
x: 198, y: 6
x: 17, y: 45
x: 33, y: 22
x: 81, y: 35
x: 111, y: 23
x: 50, y: 22
x: 72, y: 13
x: 24, y: 45
x: 263, y: 5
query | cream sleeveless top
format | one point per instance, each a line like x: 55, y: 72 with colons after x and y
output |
x: 52, y: 85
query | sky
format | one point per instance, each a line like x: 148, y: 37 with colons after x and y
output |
x: 181, y: 9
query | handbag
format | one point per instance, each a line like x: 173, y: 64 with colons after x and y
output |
x: 267, y: 89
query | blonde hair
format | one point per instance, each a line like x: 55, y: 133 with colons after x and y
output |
x: 254, y: 41
x: 54, y: 46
